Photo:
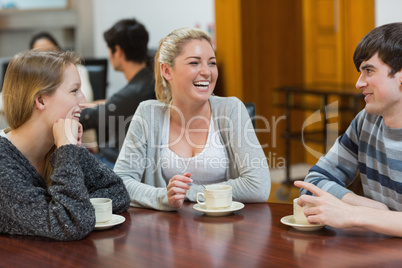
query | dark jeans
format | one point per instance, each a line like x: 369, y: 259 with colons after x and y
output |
x: 104, y: 160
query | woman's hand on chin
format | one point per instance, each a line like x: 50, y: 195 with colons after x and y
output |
x: 67, y: 131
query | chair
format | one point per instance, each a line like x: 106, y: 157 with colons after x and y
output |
x: 97, y: 70
x: 251, y: 111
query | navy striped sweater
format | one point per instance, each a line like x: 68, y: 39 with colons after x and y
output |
x: 370, y: 147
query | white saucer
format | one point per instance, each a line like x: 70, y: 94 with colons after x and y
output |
x: 116, y: 219
x: 219, y: 212
x: 289, y: 220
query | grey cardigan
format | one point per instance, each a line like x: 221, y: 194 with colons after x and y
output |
x: 61, y: 211
x: 141, y: 171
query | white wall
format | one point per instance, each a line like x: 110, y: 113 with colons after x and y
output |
x: 387, y: 11
x: 160, y: 17
x: 37, y: 4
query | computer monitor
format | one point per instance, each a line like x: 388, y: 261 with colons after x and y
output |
x: 97, y: 70
x: 4, y: 65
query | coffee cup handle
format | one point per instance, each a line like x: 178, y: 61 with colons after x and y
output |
x: 198, y: 201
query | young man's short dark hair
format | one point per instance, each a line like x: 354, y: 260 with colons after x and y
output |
x: 131, y: 36
x: 387, y: 42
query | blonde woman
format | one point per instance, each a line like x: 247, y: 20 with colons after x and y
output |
x: 189, y: 138
x: 46, y: 178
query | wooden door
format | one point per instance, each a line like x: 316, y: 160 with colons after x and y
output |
x: 259, y: 49
x: 322, y: 41
x: 266, y: 44
x: 332, y: 30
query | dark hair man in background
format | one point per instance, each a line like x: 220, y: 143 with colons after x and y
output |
x: 127, y: 42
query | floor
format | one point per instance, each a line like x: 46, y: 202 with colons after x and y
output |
x: 282, y: 192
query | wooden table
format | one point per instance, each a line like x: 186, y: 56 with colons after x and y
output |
x: 252, y: 237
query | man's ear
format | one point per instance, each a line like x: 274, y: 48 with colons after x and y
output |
x: 165, y: 70
x: 39, y: 104
x: 118, y: 51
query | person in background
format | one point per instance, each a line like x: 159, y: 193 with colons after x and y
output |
x: 188, y: 137
x: 44, y: 40
x: 46, y: 178
x: 127, y: 42
x: 370, y: 146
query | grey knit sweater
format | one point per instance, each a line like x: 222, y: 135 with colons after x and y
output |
x: 61, y: 211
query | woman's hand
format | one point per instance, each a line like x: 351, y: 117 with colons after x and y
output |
x: 67, y: 131
x: 177, y: 189
x: 92, y: 104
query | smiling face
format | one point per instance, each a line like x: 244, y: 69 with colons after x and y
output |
x: 66, y: 100
x: 194, y: 73
x: 383, y: 93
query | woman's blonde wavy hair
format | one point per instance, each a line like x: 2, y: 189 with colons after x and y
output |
x: 31, y: 74
x: 169, y: 48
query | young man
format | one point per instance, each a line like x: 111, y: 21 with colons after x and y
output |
x: 127, y: 42
x: 372, y: 145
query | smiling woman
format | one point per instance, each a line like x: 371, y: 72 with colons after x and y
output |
x: 46, y: 178
x: 204, y: 139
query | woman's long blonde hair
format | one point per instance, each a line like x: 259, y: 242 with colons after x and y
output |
x: 31, y: 74
x: 169, y: 48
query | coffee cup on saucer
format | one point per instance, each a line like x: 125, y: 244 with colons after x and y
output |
x: 103, y: 209
x: 216, y: 197
x: 298, y: 212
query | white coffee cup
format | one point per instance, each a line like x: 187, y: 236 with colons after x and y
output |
x: 298, y: 212
x: 216, y: 196
x: 103, y: 209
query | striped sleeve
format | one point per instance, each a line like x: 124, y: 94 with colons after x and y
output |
x: 339, y: 167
